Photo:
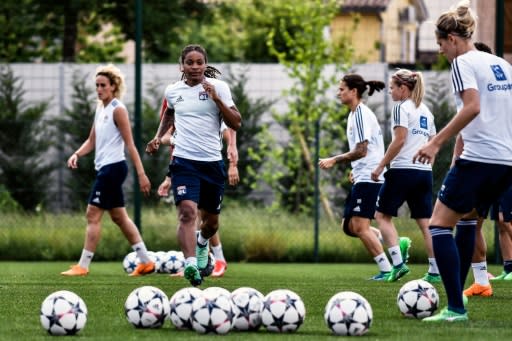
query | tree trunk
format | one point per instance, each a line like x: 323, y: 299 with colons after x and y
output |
x: 311, y: 169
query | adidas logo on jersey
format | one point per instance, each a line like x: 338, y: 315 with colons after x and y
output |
x: 180, y: 99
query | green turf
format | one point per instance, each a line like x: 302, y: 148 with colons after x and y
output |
x: 23, y: 287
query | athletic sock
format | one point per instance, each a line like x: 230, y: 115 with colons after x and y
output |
x: 191, y: 261
x: 85, y: 259
x: 383, y: 262
x: 465, y: 240
x: 396, y: 255
x: 142, y: 252
x: 217, y: 252
x: 448, y: 262
x: 507, y: 266
x: 432, y: 266
x: 480, y: 273
x: 201, y: 240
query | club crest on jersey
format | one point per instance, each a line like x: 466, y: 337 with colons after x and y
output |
x: 181, y: 190
x: 423, y: 122
x: 203, y: 96
x: 498, y: 73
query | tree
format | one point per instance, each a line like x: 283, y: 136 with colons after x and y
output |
x: 25, y: 141
x: 73, y: 129
x: 306, y: 56
x: 250, y: 138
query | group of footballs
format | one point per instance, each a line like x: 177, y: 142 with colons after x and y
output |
x: 170, y: 262
x: 216, y: 310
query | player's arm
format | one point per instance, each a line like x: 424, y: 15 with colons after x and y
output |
x: 230, y: 115
x: 166, y: 123
x: 360, y: 151
x: 232, y: 151
x: 470, y: 109
x: 84, y: 149
x: 123, y: 124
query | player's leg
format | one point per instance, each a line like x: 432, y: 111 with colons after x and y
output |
x: 360, y: 227
x: 220, y: 261
x: 92, y: 237
x: 445, y: 251
x: 481, y: 286
x: 505, y: 238
x: 432, y: 275
x: 390, y: 236
x: 120, y: 217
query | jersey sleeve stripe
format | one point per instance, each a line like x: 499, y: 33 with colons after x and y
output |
x: 396, y: 115
x: 458, y: 86
x: 359, y: 124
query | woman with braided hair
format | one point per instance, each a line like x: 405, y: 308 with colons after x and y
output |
x: 196, y: 107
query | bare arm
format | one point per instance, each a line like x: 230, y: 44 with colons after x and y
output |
x: 123, y: 124
x: 84, y: 149
x: 469, y: 111
x: 457, y: 149
x: 357, y: 153
x: 166, y: 123
x: 232, y: 151
x: 230, y: 115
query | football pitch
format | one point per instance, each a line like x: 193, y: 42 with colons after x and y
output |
x: 24, y: 286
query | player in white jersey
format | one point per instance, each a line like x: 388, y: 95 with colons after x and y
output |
x: 110, y: 133
x: 412, y: 126
x: 482, y: 84
x: 366, y: 146
x: 196, y: 106
x: 229, y: 136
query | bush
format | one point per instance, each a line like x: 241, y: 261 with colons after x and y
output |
x: 248, y: 234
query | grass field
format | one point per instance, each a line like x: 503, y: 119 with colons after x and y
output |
x: 24, y: 285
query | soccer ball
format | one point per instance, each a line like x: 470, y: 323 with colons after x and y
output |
x: 147, y: 307
x: 348, y: 313
x: 212, y: 312
x: 181, y: 307
x: 161, y: 256
x: 217, y: 290
x: 173, y: 262
x: 247, y: 303
x: 130, y: 262
x: 282, y: 311
x: 63, y: 313
x: 417, y: 298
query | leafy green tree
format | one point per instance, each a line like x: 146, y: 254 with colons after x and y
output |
x: 74, y: 128
x: 306, y: 56
x: 251, y: 144
x: 60, y: 30
x: 156, y: 165
x: 25, y: 141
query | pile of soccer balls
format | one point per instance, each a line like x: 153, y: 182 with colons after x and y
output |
x: 218, y: 311
x: 168, y: 262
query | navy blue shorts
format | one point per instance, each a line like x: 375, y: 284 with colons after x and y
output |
x: 504, y: 205
x: 199, y: 181
x: 360, y: 202
x: 107, y: 190
x: 471, y: 184
x: 406, y: 185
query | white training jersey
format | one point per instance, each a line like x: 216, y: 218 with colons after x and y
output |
x: 488, y: 137
x: 420, y: 126
x: 197, y: 119
x: 362, y: 125
x: 109, y: 142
